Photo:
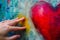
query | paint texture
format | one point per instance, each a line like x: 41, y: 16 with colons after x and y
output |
x: 10, y: 9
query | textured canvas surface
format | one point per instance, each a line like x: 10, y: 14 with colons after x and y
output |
x: 10, y: 9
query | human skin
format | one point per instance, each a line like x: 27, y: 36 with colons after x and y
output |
x: 9, y: 25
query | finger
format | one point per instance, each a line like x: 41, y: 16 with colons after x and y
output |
x: 9, y: 21
x: 12, y: 37
x: 14, y: 28
x: 15, y: 21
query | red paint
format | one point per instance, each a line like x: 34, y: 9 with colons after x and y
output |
x: 46, y: 17
x: 8, y: 1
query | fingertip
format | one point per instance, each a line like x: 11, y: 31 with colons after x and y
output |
x: 21, y: 19
x: 14, y: 36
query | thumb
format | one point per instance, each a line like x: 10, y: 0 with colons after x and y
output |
x: 12, y: 37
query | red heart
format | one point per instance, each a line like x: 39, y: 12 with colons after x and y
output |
x: 47, y: 20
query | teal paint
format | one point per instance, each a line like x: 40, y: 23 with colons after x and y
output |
x: 9, y: 11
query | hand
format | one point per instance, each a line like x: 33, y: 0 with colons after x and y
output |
x: 9, y: 25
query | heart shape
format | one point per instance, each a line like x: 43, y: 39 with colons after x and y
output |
x: 46, y: 19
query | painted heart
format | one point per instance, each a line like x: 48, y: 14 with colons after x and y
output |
x: 46, y: 19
